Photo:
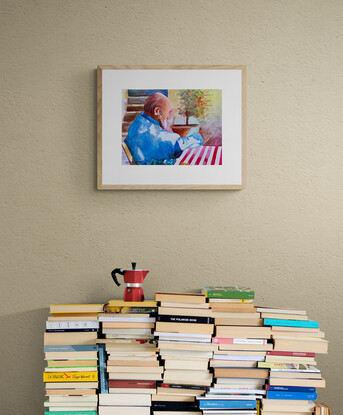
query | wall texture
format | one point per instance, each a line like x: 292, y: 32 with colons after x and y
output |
x: 61, y: 237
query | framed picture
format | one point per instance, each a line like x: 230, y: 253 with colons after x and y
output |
x: 171, y: 127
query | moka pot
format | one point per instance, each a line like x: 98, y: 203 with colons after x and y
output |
x: 133, y: 279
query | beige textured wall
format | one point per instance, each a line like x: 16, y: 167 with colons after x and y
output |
x: 61, y: 237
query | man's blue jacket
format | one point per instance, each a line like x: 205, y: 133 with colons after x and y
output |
x: 149, y: 143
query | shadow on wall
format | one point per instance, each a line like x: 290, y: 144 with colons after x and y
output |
x: 22, y: 358
x: 81, y: 128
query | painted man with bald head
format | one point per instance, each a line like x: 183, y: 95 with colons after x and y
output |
x: 150, y: 138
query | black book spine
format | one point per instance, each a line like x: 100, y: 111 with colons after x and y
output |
x: 174, y: 406
x: 185, y: 319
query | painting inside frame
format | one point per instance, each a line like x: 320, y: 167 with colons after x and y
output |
x: 171, y: 128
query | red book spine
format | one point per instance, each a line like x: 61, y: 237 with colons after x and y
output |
x: 298, y: 354
x: 138, y: 384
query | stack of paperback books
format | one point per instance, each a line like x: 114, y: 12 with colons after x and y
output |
x: 243, y: 342
x: 161, y: 357
x: 132, y: 366
x: 71, y: 354
x: 294, y: 376
x: 184, y: 328
x: 128, y: 320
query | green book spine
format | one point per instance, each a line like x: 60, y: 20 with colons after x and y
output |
x: 229, y: 293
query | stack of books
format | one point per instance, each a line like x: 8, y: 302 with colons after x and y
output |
x: 161, y: 358
x: 294, y: 376
x: 239, y: 384
x: 129, y: 320
x: 131, y: 365
x: 71, y: 354
x: 184, y: 328
x: 322, y: 409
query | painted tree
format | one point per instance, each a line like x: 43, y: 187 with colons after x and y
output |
x: 193, y: 103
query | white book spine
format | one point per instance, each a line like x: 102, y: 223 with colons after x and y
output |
x: 128, y: 319
x: 238, y: 357
x: 85, y: 324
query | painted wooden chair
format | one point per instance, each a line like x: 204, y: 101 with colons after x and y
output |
x: 128, y: 153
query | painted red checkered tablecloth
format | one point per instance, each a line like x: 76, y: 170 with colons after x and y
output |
x: 201, y: 156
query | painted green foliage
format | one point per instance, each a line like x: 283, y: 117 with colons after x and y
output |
x: 193, y: 103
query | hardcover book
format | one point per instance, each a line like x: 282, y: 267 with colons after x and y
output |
x: 229, y: 292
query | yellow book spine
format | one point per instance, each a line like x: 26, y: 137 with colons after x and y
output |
x: 70, y: 376
x: 258, y: 407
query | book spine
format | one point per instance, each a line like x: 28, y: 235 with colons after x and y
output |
x: 289, y: 366
x: 294, y: 368
x: 70, y: 376
x: 76, y: 308
x: 132, y: 341
x: 103, y: 380
x: 231, y: 295
x: 131, y: 310
x: 174, y: 406
x: 277, y: 365
x: 226, y: 340
x: 291, y: 389
x: 70, y: 412
x: 72, y: 325
x: 70, y: 330
x: 291, y: 323
x: 291, y: 395
x: 124, y: 319
x: 134, y: 384
x: 295, y: 354
x: 192, y: 387
x: 237, y: 357
x: 231, y: 300
x: 72, y: 348
x: 184, y: 319
x: 258, y: 407
x: 218, y: 404
x: 238, y: 391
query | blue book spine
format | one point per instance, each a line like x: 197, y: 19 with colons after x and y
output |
x: 72, y: 348
x: 291, y: 323
x: 227, y: 404
x: 291, y: 389
x: 292, y: 395
x: 103, y: 381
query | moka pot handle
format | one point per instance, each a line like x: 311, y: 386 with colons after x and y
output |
x: 117, y: 271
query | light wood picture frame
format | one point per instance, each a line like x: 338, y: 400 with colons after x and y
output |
x: 171, y: 127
